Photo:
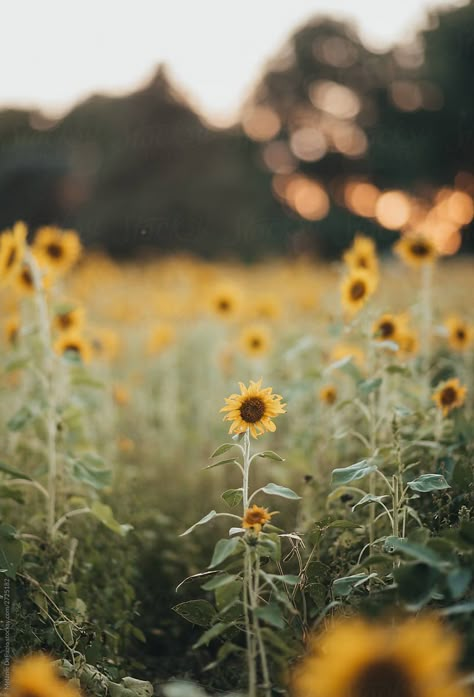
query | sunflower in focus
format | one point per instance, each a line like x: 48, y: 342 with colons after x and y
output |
x: 12, y: 250
x: 69, y: 318
x: 256, y: 517
x: 390, y: 327
x: 416, y: 250
x: 355, y: 658
x: 226, y: 301
x: 450, y: 395
x: 56, y: 249
x: 356, y: 289
x: 328, y: 394
x: 253, y: 409
x: 36, y: 676
x: 255, y: 341
x: 74, y: 344
x: 160, y: 337
x: 12, y: 329
x: 460, y: 333
x: 362, y: 255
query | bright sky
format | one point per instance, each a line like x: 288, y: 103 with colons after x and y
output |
x: 54, y: 53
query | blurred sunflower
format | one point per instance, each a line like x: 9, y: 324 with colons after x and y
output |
x: 23, y: 280
x: 460, y: 333
x: 253, y: 409
x: 328, y: 394
x: 362, y: 255
x: 256, y: 517
x: 12, y: 250
x: 390, y: 327
x: 356, y: 289
x: 56, y: 249
x: 355, y: 658
x: 255, y: 341
x: 409, y: 343
x: 36, y: 676
x: 341, y: 351
x: 416, y: 250
x: 75, y: 344
x: 450, y: 395
x: 226, y: 301
x: 266, y: 307
x: 160, y: 337
x: 120, y: 395
x: 12, y: 329
x: 69, y: 318
x: 105, y: 343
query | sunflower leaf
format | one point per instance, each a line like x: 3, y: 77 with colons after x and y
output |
x: 209, y: 516
x: 271, y: 455
x: 277, y: 490
x: 222, y: 449
x: 429, y: 482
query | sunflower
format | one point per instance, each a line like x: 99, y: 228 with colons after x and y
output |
x: 12, y: 250
x: 354, y: 658
x: 255, y: 341
x: 226, y: 301
x: 12, y: 329
x: 449, y: 395
x: 35, y: 676
x: 69, y: 318
x: 120, y: 395
x: 56, y: 249
x: 24, y: 281
x: 74, y: 344
x: 160, y: 337
x: 416, y: 250
x: 362, y: 255
x: 328, y: 394
x: 266, y: 307
x: 341, y: 351
x: 409, y: 343
x: 390, y: 327
x: 356, y: 289
x: 105, y: 343
x: 460, y: 333
x: 256, y: 517
x: 253, y: 409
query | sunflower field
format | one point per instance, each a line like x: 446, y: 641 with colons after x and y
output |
x: 248, y: 479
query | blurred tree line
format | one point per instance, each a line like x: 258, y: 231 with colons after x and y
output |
x: 144, y: 170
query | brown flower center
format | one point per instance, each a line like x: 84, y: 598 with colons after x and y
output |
x: 223, y: 305
x: 386, y: 329
x: 420, y: 249
x: 330, y: 396
x: 358, y: 290
x: 362, y: 262
x: 26, y: 277
x: 65, y: 320
x: 382, y: 678
x: 11, y: 258
x: 448, y: 396
x: 74, y: 348
x: 252, y: 410
x: 254, y: 517
x: 54, y: 250
x: 460, y: 334
x: 255, y: 343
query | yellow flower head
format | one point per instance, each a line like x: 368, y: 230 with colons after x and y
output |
x: 121, y: 395
x: 356, y: 289
x: 75, y: 344
x: 69, y: 318
x: 24, y: 282
x: 160, y: 337
x: 355, y: 658
x: 256, y: 517
x: 390, y: 327
x: 460, y: 333
x: 266, y: 307
x: 416, y: 250
x: 328, y: 394
x: 449, y: 395
x: 253, y: 409
x: 341, y: 351
x: 35, y: 676
x: 105, y: 343
x: 255, y: 340
x: 56, y: 249
x: 362, y: 255
x: 12, y: 250
x: 409, y: 343
x: 226, y: 301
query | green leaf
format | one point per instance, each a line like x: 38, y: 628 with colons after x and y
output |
x: 218, y: 581
x: 209, y: 516
x: 458, y: 609
x: 369, y: 498
x: 13, y: 472
x: 271, y: 455
x: 277, y: 490
x: 344, y: 524
x: 8, y: 493
x: 366, y: 387
x: 233, y: 497
x: 223, y: 550
x: 414, y: 550
x: 228, y: 594
x: 88, y: 470
x: 21, y: 419
x: 359, y: 470
x: 222, y: 449
x: 221, y: 462
x: 198, y: 612
x: 458, y: 582
x: 288, y: 579
x: 416, y: 582
x: 213, y: 632
x: 429, y: 482
x: 104, y: 513
x: 343, y: 586
x: 271, y: 614
x: 11, y: 551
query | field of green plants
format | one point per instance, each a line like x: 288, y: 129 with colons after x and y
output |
x: 241, y: 479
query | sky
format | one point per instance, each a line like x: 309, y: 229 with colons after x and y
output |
x: 54, y: 53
